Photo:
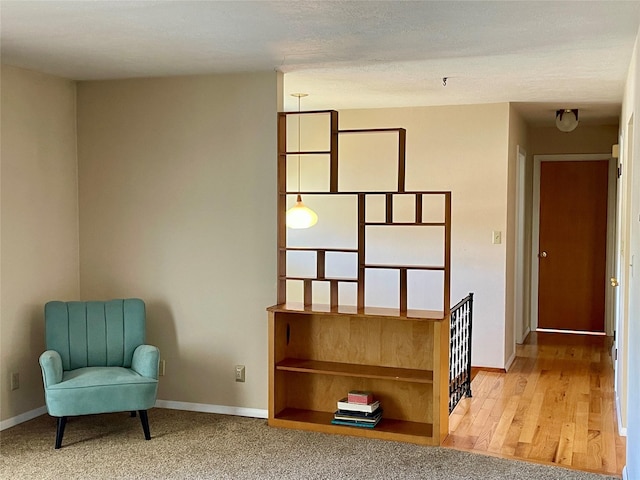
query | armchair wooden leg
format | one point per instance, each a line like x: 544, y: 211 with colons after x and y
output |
x: 62, y: 422
x: 145, y: 424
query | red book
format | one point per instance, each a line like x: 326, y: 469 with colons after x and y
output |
x: 360, y: 397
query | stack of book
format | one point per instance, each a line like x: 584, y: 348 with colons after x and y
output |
x: 358, y: 409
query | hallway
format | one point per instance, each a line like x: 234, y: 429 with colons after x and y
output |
x: 555, y: 405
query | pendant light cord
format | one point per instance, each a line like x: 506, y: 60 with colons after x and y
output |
x: 299, y: 118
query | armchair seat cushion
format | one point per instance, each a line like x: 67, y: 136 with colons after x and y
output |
x: 91, y: 390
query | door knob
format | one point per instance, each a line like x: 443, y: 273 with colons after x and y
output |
x: 614, y: 282
x: 543, y: 255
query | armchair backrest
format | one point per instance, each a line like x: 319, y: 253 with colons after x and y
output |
x: 95, y: 334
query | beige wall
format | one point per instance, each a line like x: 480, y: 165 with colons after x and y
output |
x: 39, y: 223
x: 584, y: 139
x: 471, y: 161
x: 178, y: 206
x: 518, y: 138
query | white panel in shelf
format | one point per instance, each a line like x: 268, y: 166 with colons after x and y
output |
x: 337, y: 225
x: 295, y: 291
x: 375, y: 208
x: 382, y: 288
x: 348, y: 294
x: 425, y: 290
x: 314, y: 173
x: 301, y: 264
x: 404, y: 208
x: 315, y: 132
x: 321, y: 293
x: 405, y: 245
x: 368, y: 162
x: 341, y: 265
x: 433, y: 208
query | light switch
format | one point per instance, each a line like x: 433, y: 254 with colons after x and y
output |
x: 497, y: 237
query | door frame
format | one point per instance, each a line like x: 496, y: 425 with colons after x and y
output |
x: 623, y: 273
x: 535, y: 230
x: 520, y: 315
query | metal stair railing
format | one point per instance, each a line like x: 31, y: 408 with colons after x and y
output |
x: 460, y: 351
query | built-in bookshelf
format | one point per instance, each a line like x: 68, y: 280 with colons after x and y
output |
x: 319, y: 351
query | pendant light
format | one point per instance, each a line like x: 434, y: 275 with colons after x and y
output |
x: 300, y: 216
x: 567, y: 119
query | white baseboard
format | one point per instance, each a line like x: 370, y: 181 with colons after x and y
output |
x: 622, y: 431
x: 207, y: 408
x: 23, y: 417
x: 524, y: 335
x: 510, y: 361
x: 192, y: 407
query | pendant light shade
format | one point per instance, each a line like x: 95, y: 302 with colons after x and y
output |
x: 301, y: 216
x: 567, y: 120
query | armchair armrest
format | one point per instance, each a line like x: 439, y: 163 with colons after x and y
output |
x: 146, y: 359
x: 51, y: 365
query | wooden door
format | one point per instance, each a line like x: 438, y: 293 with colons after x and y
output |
x: 573, y: 237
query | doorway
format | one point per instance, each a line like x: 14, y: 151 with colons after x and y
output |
x: 570, y: 232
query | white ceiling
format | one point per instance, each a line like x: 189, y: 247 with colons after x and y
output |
x: 347, y: 54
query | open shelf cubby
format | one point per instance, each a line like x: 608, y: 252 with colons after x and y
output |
x: 319, y: 352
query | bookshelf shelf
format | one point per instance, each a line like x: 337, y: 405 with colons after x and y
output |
x: 367, y: 193
x: 406, y: 267
x: 404, y: 224
x: 319, y: 352
x: 324, y: 279
x: 313, y: 249
x: 355, y: 370
x: 370, y: 312
x: 308, y: 152
x: 387, y: 429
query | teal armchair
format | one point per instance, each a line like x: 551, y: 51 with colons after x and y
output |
x: 97, y: 361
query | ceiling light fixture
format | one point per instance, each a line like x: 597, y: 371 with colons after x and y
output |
x: 300, y: 216
x: 567, y: 119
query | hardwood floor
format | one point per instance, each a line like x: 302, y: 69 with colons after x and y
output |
x: 555, y: 405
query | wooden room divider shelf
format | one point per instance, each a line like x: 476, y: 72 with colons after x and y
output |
x: 317, y: 353
x: 360, y: 251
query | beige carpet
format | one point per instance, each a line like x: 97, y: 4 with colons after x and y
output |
x: 190, y: 445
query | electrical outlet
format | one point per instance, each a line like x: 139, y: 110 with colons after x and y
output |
x: 239, y: 373
x: 161, y: 368
x: 15, y: 381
